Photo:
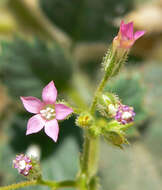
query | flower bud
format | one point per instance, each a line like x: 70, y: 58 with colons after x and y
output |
x: 28, y: 167
x: 84, y: 120
x: 114, y: 133
x: 116, y: 138
x: 108, y: 104
x: 117, y: 55
x: 125, y: 38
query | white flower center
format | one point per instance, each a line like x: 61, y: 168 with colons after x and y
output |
x: 126, y: 115
x: 48, y: 112
x: 22, y: 164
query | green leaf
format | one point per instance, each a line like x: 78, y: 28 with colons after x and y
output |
x: 26, y: 67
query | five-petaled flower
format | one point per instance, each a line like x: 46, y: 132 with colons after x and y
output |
x: 47, y: 112
x: 126, y: 38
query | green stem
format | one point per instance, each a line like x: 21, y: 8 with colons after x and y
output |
x: 90, y: 155
x: 89, y: 161
x: 89, y: 164
x: 61, y: 184
x: 20, y: 185
x: 52, y: 184
x: 98, y: 91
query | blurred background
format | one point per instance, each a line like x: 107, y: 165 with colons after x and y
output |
x: 64, y: 41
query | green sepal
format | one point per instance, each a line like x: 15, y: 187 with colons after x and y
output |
x: 116, y: 138
x: 114, y: 133
x: 36, y: 172
x: 85, y: 119
x: 113, y: 61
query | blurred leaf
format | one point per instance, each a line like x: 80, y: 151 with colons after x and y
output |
x: 27, y: 67
x: 31, y: 21
x: 132, y: 168
x: 86, y: 20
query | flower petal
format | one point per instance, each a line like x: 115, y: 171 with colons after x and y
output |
x: 49, y: 93
x: 35, y: 124
x: 52, y: 129
x: 31, y: 104
x: 62, y: 111
x: 127, y: 30
x: 138, y: 34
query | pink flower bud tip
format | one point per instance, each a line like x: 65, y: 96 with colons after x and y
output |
x: 48, y: 112
x: 126, y: 38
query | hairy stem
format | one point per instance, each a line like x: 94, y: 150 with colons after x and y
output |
x: 61, y: 184
x: 90, y: 155
x: 98, y: 91
x: 20, y: 185
x: 89, y: 161
x: 52, y: 184
x: 89, y: 164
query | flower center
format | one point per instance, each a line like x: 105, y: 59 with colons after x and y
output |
x: 22, y: 164
x: 127, y: 115
x: 48, y: 112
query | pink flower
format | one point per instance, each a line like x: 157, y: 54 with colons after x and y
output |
x: 47, y: 112
x: 126, y: 38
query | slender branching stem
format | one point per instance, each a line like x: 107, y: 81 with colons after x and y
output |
x: 52, y: 184
x: 98, y: 92
x: 20, y: 185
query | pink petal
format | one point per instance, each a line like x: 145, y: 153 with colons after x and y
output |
x: 49, y: 93
x: 35, y: 124
x: 62, y: 111
x: 31, y: 104
x: 138, y: 34
x: 127, y: 30
x: 130, y: 30
x: 52, y: 129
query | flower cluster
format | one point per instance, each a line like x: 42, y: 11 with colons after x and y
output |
x: 23, y: 164
x: 124, y: 114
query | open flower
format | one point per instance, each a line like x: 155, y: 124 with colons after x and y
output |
x: 126, y: 38
x: 47, y: 112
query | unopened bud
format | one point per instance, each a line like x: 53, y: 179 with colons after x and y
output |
x: 108, y: 104
x: 116, y: 138
x: 114, y: 133
x: 84, y: 120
